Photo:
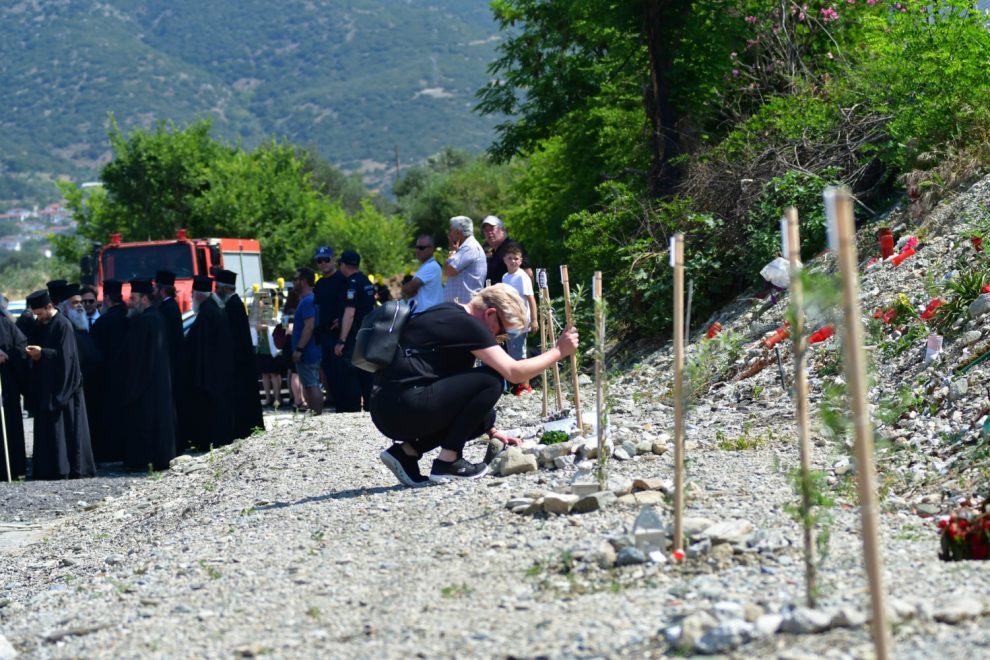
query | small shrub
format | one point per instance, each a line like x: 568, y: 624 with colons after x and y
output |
x: 554, y: 437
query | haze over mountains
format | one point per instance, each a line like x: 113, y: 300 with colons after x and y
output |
x: 355, y: 78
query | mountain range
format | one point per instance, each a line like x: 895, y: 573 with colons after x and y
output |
x: 357, y: 79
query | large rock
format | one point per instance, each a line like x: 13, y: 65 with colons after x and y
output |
x: 804, y: 621
x: 630, y: 556
x: 980, y: 306
x: 767, y: 625
x: 594, y: 502
x: 686, y: 635
x: 647, y: 484
x: 736, y: 532
x: 560, y: 503
x: 958, y: 388
x: 724, y: 637
x: 958, y: 611
x: 550, y: 452
x: 7, y: 651
x: 517, y: 462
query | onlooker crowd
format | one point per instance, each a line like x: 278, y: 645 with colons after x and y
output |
x: 117, y: 380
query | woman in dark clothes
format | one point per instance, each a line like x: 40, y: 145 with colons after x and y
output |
x: 433, y: 396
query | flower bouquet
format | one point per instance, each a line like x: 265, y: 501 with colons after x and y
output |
x: 965, y: 533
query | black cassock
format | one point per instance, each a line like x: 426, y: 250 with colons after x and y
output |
x: 207, y: 373
x: 91, y: 364
x: 61, y: 430
x: 109, y: 333
x: 13, y: 379
x: 146, y: 393
x: 173, y: 333
x: 245, y: 392
x: 29, y: 328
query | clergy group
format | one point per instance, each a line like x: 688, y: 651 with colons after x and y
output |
x: 122, y: 382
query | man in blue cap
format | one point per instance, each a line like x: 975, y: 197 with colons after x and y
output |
x: 328, y: 293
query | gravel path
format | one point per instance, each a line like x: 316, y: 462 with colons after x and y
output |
x: 298, y: 543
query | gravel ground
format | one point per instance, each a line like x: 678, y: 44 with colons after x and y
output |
x: 298, y: 543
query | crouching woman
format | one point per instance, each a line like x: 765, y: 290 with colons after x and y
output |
x: 433, y: 396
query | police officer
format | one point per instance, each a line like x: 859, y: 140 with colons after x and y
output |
x: 359, y: 300
x: 328, y: 293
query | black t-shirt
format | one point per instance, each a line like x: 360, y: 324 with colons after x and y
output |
x: 359, y: 293
x: 496, y: 262
x: 328, y: 293
x: 441, y: 339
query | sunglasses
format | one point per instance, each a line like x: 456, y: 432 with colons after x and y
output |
x: 89, y: 301
x: 424, y: 247
x: 322, y: 260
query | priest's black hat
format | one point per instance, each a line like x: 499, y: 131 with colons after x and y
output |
x: 39, y: 299
x: 112, y: 288
x: 165, y: 278
x: 70, y: 290
x: 55, y: 289
x: 203, y: 284
x: 141, y: 286
x: 227, y: 277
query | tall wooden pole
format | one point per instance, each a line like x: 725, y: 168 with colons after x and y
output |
x: 838, y: 206
x: 548, y: 321
x: 569, y: 320
x: 599, y: 302
x: 541, y: 276
x: 678, y: 264
x: 792, y: 240
x: 3, y: 430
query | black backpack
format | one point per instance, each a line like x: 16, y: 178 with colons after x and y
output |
x: 378, y: 338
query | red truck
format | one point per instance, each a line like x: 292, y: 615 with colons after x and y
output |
x: 184, y: 256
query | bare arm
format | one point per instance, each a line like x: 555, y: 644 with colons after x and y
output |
x: 345, y: 323
x: 533, y: 323
x: 517, y: 371
x: 412, y: 287
x: 304, y: 338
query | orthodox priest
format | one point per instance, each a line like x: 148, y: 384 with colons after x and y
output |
x: 109, y: 332
x: 207, y: 372
x: 61, y: 430
x: 165, y: 299
x: 13, y: 379
x: 245, y: 394
x: 145, y: 394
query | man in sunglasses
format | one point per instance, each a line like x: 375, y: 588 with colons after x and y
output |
x: 328, y: 293
x: 90, y: 307
x: 425, y: 289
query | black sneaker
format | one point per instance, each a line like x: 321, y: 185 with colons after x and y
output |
x: 403, y: 466
x: 459, y: 469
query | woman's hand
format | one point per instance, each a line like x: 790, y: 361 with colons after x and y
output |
x: 506, y: 438
x: 567, y: 343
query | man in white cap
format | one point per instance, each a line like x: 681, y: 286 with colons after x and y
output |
x: 465, y: 267
x: 498, y: 239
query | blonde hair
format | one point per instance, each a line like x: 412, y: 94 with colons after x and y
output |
x: 506, y: 300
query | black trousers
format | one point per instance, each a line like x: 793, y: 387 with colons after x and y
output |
x: 351, y: 384
x: 445, y: 414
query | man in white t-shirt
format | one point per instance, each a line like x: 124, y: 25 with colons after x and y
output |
x: 425, y: 289
x: 466, y: 265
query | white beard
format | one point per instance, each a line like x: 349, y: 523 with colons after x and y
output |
x: 78, y: 319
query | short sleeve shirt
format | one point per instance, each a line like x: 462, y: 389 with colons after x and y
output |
x: 520, y: 281
x: 441, y: 340
x: 431, y: 293
x: 471, y: 266
x: 328, y: 293
x: 359, y: 293
x: 306, y: 310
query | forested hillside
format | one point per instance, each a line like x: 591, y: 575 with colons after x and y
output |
x: 356, y: 79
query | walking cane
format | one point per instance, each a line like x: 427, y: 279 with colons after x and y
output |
x: 3, y: 427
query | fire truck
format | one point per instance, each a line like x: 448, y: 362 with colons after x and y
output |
x: 184, y: 256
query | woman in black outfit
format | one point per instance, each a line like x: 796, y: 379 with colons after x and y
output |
x: 433, y: 396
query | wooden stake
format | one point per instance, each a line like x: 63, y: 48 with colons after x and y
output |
x: 793, y: 243
x: 678, y: 263
x: 541, y: 276
x: 569, y: 320
x: 838, y: 205
x: 599, y: 302
x: 3, y: 430
x: 548, y: 322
